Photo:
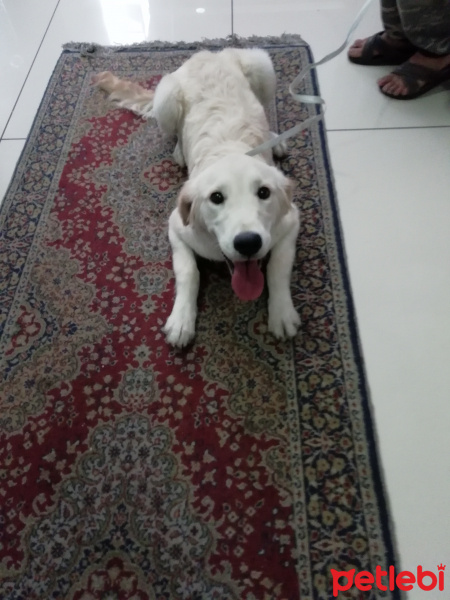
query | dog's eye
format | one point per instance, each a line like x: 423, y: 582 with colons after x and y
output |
x: 217, y: 198
x: 263, y: 193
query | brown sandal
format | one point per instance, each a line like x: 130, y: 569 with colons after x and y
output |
x: 378, y: 53
x: 418, y: 79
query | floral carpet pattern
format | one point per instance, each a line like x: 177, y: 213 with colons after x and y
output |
x: 241, y: 468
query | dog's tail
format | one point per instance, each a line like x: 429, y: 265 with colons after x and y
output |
x: 126, y: 94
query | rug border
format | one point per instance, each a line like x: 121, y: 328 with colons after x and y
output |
x: 86, y: 49
x: 386, y: 519
x: 89, y: 49
x: 28, y: 141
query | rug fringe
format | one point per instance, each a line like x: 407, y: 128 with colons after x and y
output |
x: 88, y: 49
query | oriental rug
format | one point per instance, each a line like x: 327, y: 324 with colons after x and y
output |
x: 242, y: 468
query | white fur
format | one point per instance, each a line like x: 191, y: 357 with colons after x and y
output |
x: 214, y: 104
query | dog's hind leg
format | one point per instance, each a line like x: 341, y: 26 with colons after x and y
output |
x: 126, y: 94
x: 257, y: 67
x: 168, y: 111
x: 178, y: 155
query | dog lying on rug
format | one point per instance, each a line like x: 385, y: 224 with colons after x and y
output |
x: 233, y: 207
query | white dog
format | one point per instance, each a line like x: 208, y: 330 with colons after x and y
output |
x: 233, y: 207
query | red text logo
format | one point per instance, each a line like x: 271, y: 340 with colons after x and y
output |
x: 388, y: 580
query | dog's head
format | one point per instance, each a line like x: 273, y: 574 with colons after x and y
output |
x: 240, y: 200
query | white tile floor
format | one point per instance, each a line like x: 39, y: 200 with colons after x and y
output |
x: 391, y: 163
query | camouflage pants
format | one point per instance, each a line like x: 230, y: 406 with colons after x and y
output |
x: 425, y: 23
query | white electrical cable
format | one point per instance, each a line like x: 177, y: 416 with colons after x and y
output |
x: 308, y: 99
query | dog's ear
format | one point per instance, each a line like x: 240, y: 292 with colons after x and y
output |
x: 185, y: 201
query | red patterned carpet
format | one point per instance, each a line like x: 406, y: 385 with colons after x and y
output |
x: 243, y: 468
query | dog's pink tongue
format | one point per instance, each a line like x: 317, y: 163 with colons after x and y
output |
x: 248, y: 280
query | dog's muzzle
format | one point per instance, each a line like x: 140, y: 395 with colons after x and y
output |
x: 247, y: 279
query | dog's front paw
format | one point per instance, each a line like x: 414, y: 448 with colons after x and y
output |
x: 180, y: 331
x: 284, y: 320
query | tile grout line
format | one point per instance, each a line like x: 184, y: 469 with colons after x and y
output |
x: 2, y: 138
x: 406, y: 128
x: 232, y: 17
x: 333, y: 130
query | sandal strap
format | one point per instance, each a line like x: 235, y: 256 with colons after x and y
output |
x: 376, y: 45
x: 372, y: 44
x: 413, y: 74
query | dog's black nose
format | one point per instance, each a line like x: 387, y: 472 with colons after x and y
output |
x: 247, y: 243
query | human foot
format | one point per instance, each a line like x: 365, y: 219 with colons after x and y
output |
x: 380, y: 50
x: 416, y: 76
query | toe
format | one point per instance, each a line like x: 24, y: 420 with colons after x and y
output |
x: 358, y: 43
x: 355, y: 49
x: 393, y: 85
